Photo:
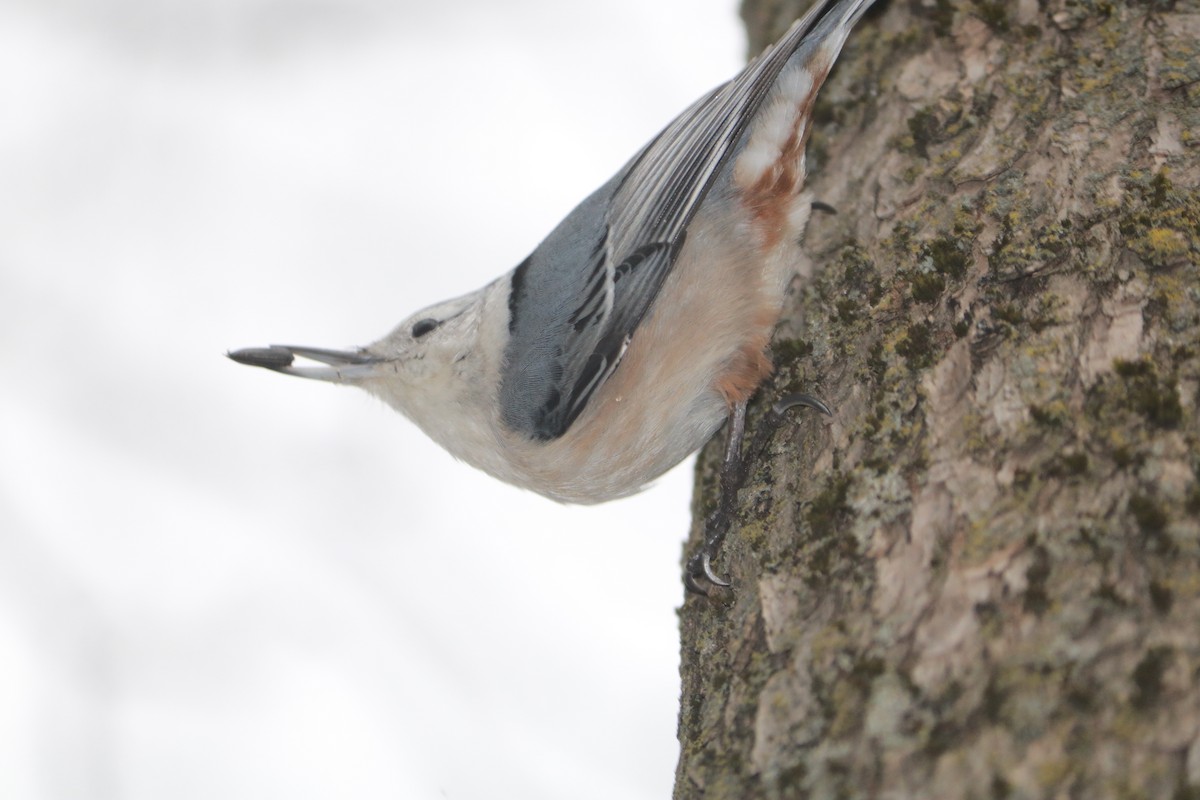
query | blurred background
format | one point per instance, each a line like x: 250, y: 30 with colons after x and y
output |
x: 220, y: 582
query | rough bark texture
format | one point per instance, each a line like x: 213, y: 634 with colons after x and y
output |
x: 982, y: 577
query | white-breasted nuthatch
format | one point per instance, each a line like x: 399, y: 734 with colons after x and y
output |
x: 641, y: 323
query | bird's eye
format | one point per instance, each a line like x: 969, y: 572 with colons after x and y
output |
x: 423, y: 326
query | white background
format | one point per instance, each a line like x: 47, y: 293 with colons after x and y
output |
x: 217, y: 582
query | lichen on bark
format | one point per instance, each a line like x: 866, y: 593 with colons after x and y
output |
x: 981, y: 578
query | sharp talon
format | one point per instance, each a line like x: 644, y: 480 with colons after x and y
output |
x: 817, y: 205
x: 706, y: 562
x: 717, y: 525
x: 800, y: 399
x: 701, y: 565
x: 732, y: 473
x: 691, y: 576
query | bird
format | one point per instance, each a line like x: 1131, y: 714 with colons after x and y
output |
x: 641, y: 324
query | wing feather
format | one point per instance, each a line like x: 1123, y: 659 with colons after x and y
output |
x: 578, y: 299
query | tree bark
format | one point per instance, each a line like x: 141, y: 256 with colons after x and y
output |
x: 981, y: 578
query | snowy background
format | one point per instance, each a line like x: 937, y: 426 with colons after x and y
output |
x: 219, y: 582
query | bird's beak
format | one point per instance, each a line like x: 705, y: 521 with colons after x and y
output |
x: 341, y: 365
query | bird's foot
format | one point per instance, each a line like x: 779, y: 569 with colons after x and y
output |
x: 699, y: 576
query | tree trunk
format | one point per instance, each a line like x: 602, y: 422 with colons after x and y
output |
x: 981, y: 578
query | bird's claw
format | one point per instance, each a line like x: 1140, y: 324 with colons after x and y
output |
x: 700, y: 575
x: 700, y: 565
x: 798, y: 400
x: 713, y: 578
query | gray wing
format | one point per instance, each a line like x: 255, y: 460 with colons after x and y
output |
x: 579, y: 297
